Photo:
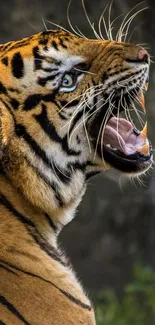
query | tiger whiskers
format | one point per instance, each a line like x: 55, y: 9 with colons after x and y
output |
x: 87, y: 117
x: 88, y: 19
x: 126, y: 110
x: 109, y: 22
x: 128, y: 23
x: 60, y: 171
x: 126, y: 107
x: 125, y: 25
x: 59, y: 26
x: 103, y: 126
x: 118, y: 115
x: 85, y: 71
x: 100, y: 22
x: 107, y: 114
x: 81, y: 103
x: 34, y: 28
x: 121, y: 34
x: 43, y: 20
x: 132, y: 104
x: 78, y: 33
x: 85, y: 129
x: 132, y: 99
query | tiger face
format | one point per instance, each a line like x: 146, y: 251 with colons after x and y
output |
x: 61, y: 98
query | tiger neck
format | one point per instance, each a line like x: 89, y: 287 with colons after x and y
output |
x: 29, y: 243
x: 18, y: 213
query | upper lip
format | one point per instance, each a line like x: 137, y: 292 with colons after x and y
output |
x: 137, y: 60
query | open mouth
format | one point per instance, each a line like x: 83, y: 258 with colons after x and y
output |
x: 124, y: 147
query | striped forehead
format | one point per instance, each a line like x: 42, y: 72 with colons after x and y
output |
x: 65, y: 59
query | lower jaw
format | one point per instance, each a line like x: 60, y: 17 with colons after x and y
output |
x: 132, y: 164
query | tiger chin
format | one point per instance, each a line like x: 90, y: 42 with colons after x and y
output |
x: 61, y: 100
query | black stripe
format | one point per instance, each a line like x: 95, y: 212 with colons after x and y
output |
x: 17, y: 65
x: 64, y: 175
x: 63, y: 117
x: 130, y: 75
x: 75, y: 120
x: 43, y: 41
x: 47, y: 33
x: 14, y: 90
x: 15, y: 45
x: 33, y: 231
x: 51, y: 223
x: 69, y: 296
x: 2, y: 323
x: 93, y: 109
x: 32, y: 101
x: 8, y: 108
x: 54, y: 44
x: 5, y: 46
x: 3, y: 90
x: 19, y: 44
x: 91, y: 174
x: 4, y: 201
x: 37, y: 58
x: 21, y: 132
x: 62, y: 44
x: 50, y: 130
x: 6, y: 269
x: 23, y: 253
x: 42, y: 81
x: 14, y: 103
x: 5, y: 61
x: 52, y: 184
x: 83, y: 66
x: 72, y: 103
x: 78, y: 139
x: 13, y: 309
x: 50, y: 69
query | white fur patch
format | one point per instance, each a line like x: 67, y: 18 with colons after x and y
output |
x: 68, y: 60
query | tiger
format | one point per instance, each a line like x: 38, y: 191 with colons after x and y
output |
x: 61, y: 103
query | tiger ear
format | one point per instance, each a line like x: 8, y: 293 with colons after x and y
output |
x: 6, y: 126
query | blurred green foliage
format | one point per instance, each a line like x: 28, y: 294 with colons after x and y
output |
x: 137, y: 305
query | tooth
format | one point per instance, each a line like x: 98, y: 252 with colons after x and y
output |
x: 145, y: 149
x: 144, y: 131
x: 146, y: 86
x: 141, y: 99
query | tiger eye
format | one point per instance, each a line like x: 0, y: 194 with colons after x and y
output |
x: 67, y: 81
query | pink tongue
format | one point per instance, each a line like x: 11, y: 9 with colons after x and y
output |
x: 120, y: 135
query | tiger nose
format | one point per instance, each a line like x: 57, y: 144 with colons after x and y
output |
x: 143, y: 55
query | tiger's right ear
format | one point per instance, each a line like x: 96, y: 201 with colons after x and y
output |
x: 6, y: 126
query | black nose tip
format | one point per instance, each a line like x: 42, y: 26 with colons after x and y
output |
x: 143, y: 55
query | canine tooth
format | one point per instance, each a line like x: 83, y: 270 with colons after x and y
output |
x: 144, y: 131
x: 141, y: 99
x: 145, y: 149
x: 108, y: 145
x: 146, y: 86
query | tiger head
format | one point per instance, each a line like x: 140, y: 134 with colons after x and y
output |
x: 61, y: 97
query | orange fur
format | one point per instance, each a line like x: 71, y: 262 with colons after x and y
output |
x: 35, y: 277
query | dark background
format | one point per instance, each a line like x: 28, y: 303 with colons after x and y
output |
x: 115, y: 223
